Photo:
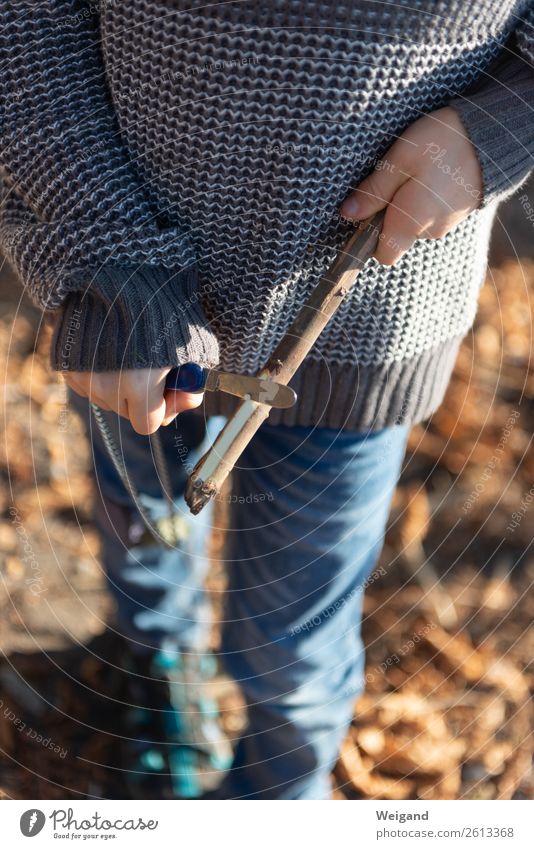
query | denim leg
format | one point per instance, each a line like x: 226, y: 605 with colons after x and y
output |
x: 308, y: 513
x: 158, y: 593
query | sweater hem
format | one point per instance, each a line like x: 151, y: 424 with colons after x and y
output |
x: 361, y: 398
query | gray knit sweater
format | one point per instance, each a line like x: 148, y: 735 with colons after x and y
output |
x: 172, y: 171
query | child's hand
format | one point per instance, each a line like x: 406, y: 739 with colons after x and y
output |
x: 430, y: 180
x: 136, y: 394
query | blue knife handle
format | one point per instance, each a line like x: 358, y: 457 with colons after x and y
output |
x: 187, y: 378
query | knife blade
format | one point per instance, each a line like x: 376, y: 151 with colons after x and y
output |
x: 193, y: 378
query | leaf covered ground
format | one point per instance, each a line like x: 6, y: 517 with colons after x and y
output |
x: 448, y: 627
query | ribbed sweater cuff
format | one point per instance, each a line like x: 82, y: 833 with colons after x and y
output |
x: 133, y: 318
x: 499, y: 119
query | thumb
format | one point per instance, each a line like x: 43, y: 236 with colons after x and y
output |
x: 144, y: 395
x: 375, y: 192
x: 179, y: 402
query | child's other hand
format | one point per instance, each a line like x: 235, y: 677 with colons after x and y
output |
x: 136, y: 394
x: 430, y: 180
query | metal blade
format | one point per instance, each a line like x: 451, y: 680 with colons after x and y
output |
x: 262, y: 390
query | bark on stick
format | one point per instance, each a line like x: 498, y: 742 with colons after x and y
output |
x: 213, y: 468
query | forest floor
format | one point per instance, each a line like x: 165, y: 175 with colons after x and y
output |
x: 447, y: 712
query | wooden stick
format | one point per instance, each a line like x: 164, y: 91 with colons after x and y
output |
x: 214, y: 467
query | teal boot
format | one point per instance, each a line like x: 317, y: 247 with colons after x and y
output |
x: 175, y: 748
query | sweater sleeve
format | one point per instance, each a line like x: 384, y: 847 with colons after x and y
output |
x: 498, y: 114
x: 74, y: 220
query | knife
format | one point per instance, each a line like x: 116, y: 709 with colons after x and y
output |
x: 193, y: 378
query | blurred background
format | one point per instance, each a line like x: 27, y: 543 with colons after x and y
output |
x: 450, y: 645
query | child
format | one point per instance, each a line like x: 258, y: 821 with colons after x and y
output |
x: 177, y: 176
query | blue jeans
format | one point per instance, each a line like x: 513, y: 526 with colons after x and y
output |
x: 307, y: 515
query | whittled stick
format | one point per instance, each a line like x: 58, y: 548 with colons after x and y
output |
x: 213, y: 468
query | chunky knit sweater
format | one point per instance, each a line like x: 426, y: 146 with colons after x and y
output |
x: 171, y: 172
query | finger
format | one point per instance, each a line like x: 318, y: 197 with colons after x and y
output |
x: 437, y: 209
x: 95, y: 391
x: 105, y: 386
x: 124, y: 410
x: 405, y: 221
x: 377, y: 190
x: 91, y: 397
x: 146, y: 404
x: 78, y: 383
x: 99, y: 400
x: 178, y: 402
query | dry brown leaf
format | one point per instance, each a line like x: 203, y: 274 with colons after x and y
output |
x: 351, y: 772
x: 420, y: 755
x: 447, y: 787
x: 457, y: 653
x: 371, y: 740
